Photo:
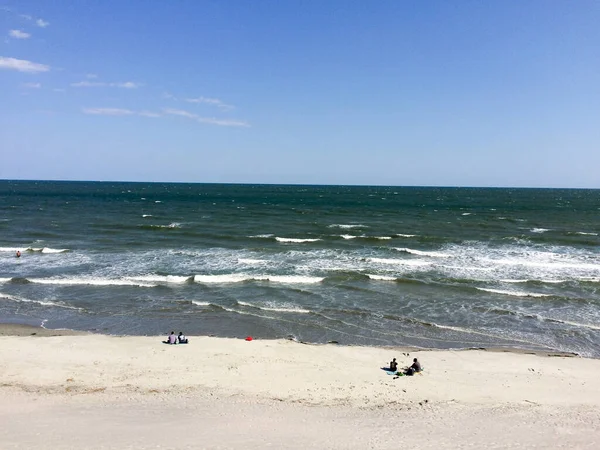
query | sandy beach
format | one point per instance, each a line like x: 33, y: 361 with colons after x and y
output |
x: 96, y: 391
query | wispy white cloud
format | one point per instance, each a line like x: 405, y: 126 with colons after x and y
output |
x: 149, y: 114
x: 18, y: 34
x: 125, y: 84
x: 119, y: 112
x: 167, y: 111
x: 208, y: 120
x: 91, y: 76
x: 32, y: 85
x: 59, y: 90
x: 168, y: 96
x: 88, y: 84
x: 180, y: 112
x: 211, y: 101
x: 108, y: 111
x: 22, y: 65
x: 42, y: 23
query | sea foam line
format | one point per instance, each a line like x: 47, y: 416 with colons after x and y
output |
x: 423, y: 253
x: 34, y: 249
x: 348, y: 226
x: 403, y: 262
x: 197, y: 303
x: 539, y: 230
x: 89, y: 281
x: 513, y: 293
x: 266, y: 308
x: 161, y: 278
x: 381, y: 277
x: 238, y: 277
x: 39, y: 302
x: 294, y: 240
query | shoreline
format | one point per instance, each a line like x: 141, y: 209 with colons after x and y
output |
x: 22, y: 330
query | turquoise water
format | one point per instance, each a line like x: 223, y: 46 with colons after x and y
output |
x: 428, y: 267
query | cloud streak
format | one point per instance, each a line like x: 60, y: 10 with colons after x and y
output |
x: 18, y: 34
x: 211, y: 101
x: 42, y: 23
x: 207, y: 120
x: 108, y: 111
x: 168, y: 111
x: 22, y: 65
x: 124, y: 84
x: 32, y: 85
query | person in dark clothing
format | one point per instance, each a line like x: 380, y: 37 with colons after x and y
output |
x: 181, y: 338
x: 415, y: 367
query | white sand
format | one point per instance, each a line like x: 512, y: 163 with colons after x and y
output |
x: 134, y: 392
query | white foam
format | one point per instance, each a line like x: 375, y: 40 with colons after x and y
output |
x: 89, y: 281
x: 404, y: 262
x: 39, y: 302
x: 294, y: 240
x: 291, y: 309
x: 548, y: 265
x: 146, y: 215
x: 577, y: 324
x: 33, y: 249
x: 466, y: 214
x: 200, y: 303
x: 348, y: 236
x: 237, y: 278
x: 405, y: 235
x: 381, y: 277
x: 226, y: 278
x: 583, y: 233
x: 539, y: 230
x: 290, y: 279
x: 13, y: 249
x: 54, y: 250
x: 171, y: 225
x: 157, y: 201
x: 161, y: 278
x: 423, y: 253
x: 513, y: 293
x: 347, y: 226
x: 261, y: 236
x: 251, y: 261
x: 525, y: 281
x: 383, y: 238
x: 5, y: 280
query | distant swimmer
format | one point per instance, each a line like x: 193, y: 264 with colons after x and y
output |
x: 18, y: 253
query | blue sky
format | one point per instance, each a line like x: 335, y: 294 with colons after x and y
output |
x: 461, y: 93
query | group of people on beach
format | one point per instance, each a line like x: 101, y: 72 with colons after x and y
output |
x: 172, y: 339
x: 411, y: 370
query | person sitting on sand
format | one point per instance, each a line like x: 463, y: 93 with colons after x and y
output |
x: 171, y: 339
x: 393, y: 365
x: 181, y: 338
x: 415, y: 367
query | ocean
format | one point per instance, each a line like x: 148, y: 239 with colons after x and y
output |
x: 404, y: 266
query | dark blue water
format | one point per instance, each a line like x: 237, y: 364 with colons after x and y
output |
x: 429, y: 267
